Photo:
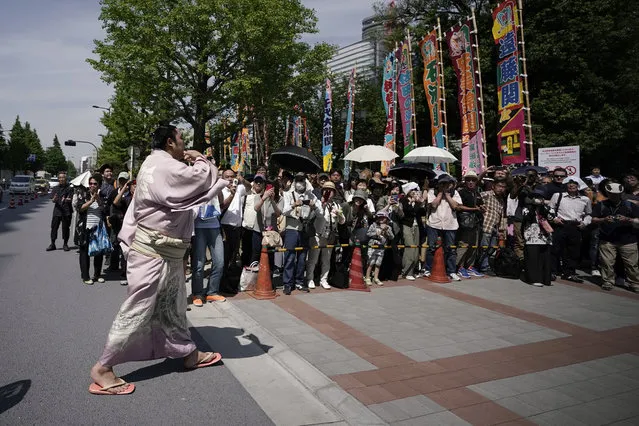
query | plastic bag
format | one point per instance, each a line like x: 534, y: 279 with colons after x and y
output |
x: 248, y: 279
x: 100, y: 242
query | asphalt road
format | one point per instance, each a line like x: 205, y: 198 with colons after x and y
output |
x: 53, y: 328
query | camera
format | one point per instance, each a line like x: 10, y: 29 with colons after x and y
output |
x: 235, y: 182
x: 306, y: 202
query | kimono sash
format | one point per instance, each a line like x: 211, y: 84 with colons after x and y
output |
x: 153, y: 244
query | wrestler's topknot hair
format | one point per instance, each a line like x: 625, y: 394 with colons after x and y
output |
x: 161, y: 135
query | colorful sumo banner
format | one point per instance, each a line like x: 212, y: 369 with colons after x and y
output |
x: 432, y: 86
x: 463, y: 56
x: 405, y: 96
x: 389, y: 96
x: 327, y: 131
x: 512, y: 136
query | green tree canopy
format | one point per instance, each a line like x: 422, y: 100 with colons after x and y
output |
x: 198, y: 60
x: 18, y: 149
x: 55, y: 160
x: 583, y: 62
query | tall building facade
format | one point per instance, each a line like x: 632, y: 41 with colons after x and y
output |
x: 367, y: 54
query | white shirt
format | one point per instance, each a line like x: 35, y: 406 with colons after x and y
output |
x: 233, y: 215
x: 596, y: 180
x: 572, y: 209
x: 443, y: 217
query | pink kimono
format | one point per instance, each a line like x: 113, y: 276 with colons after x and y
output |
x: 157, y: 229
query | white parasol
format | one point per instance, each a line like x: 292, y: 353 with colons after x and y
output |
x: 82, y: 180
x: 429, y: 154
x: 367, y: 153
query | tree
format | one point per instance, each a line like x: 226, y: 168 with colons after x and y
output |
x: 55, y: 160
x: 582, y: 60
x: 18, y: 150
x: 71, y: 170
x: 194, y: 61
x: 4, y: 150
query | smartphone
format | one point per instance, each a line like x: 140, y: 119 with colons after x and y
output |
x: 307, y: 202
x: 269, y: 187
x: 395, y: 198
x: 235, y: 182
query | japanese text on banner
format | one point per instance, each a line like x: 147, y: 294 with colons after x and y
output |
x: 389, y: 96
x: 463, y: 57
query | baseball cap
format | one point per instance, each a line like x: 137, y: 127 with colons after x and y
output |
x: 382, y: 213
x: 259, y: 177
x: 123, y: 175
x: 300, y: 176
x: 614, y: 188
x: 323, y: 175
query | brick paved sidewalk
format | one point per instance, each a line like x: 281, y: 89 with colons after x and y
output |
x: 481, y: 352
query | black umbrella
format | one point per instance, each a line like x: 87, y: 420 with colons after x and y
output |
x: 412, y: 170
x: 296, y: 159
x: 524, y: 169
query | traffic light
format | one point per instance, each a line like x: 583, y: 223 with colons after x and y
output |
x: 69, y: 143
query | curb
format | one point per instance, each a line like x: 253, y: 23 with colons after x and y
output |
x: 322, y: 387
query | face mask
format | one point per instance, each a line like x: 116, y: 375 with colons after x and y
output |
x: 300, y: 186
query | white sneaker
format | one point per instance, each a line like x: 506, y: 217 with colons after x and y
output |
x: 595, y: 273
x: 426, y: 274
x: 538, y: 284
x: 410, y: 278
x: 325, y: 285
x: 454, y: 277
x: 311, y: 284
x: 368, y: 281
x: 378, y: 281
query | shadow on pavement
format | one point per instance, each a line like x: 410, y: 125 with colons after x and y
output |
x: 227, y: 342
x: 12, y: 394
x: 230, y: 342
x: 8, y: 217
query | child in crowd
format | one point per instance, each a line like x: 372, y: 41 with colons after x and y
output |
x: 379, y: 233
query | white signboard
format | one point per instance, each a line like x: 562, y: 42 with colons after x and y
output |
x: 561, y: 156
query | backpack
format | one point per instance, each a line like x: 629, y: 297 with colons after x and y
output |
x: 506, y: 264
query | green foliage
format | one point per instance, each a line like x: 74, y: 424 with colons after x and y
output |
x: 4, y: 150
x: 198, y: 60
x: 583, y: 62
x: 18, y: 150
x: 71, y: 170
x: 55, y: 160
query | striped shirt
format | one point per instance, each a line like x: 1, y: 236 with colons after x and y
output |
x: 94, y: 215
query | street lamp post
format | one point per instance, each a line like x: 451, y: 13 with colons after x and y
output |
x: 72, y: 142
x: 101, y: 107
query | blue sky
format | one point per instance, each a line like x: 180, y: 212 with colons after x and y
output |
x: 45, y: 79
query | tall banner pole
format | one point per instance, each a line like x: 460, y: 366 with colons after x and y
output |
x: 443, y: 85
x: 350, y: 121
x: 525, y: 77
x: 327, y: 129
x: 511, y: 134
x: 481, y: 87
x: 412, y: 90
x: 389, y: 94
x: 462, y: 55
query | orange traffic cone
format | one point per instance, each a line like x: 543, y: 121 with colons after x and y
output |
x: 438, y: 271
x: 20, y: 201
x: 12, y: 203
x: 355, y: 274
x: 264, y: 287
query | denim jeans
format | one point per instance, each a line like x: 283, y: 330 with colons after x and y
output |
x: 294, y: 261
x: 211, y: 238
x: 450, y: 253
x: 489, y: 240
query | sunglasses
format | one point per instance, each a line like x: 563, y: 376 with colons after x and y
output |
x: 560, y: 176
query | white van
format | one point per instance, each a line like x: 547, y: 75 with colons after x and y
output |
x: 22, y: 184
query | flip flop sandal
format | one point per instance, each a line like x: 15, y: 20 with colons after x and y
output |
x: 96, y: 389
x: 210, y: 359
